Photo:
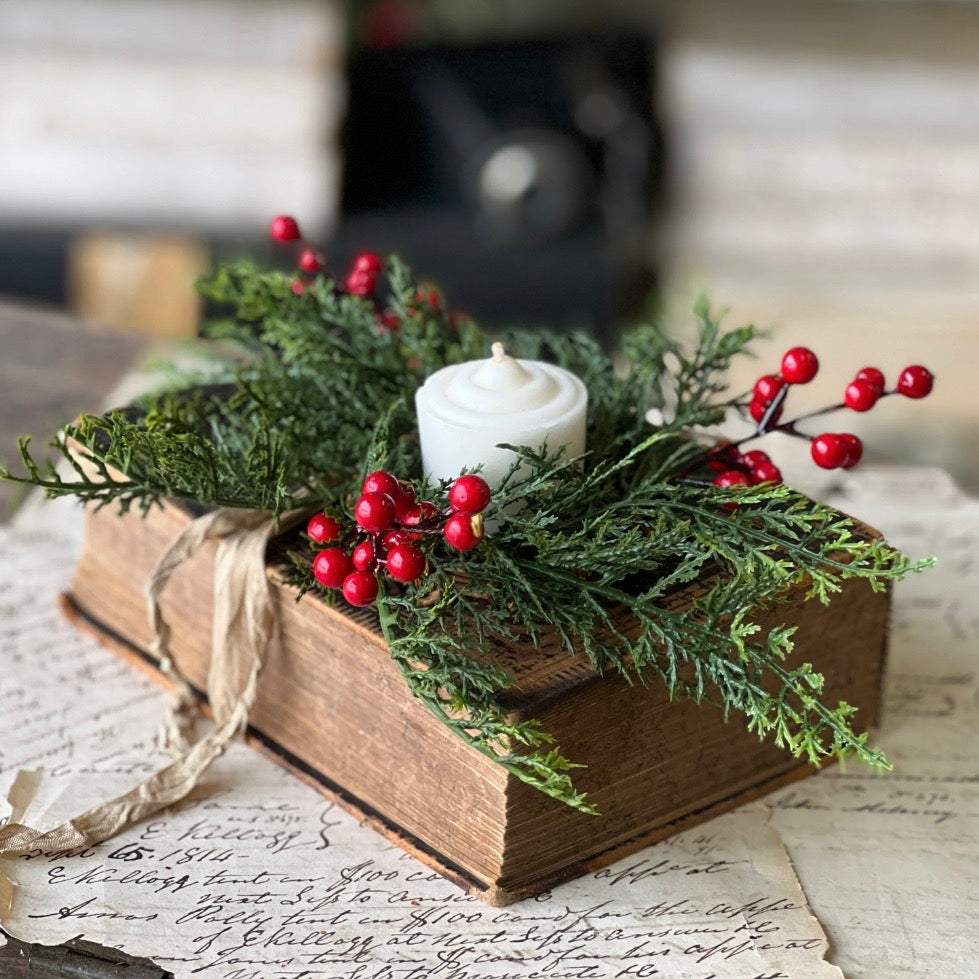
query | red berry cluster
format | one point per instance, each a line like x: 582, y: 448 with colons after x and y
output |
x: 830, y: 450
x: 799, y: 366
x: 753, y: 468
x: 836, y: 450
x: 362, y: 279
x: 390, y: 528
x: 364, y: 275
x: 427, y: 295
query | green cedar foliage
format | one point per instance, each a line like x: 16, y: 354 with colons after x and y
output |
x: 321, y: 394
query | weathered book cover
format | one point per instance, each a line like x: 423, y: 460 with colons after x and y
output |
x: 333, y: 707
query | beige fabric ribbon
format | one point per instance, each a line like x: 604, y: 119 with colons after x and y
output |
x: 244, y: 620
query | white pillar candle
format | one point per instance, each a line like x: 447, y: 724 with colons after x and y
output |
x: 464, y: 410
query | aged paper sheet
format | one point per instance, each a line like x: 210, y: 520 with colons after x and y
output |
x: 258, y: 876
x: 895, y: 859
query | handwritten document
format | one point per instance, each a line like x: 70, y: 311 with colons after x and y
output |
x: 258, y: 877
x: 895, y: 859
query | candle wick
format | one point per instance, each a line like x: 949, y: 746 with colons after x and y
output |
x: 499, y: 352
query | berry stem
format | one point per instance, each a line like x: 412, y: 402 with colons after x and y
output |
x: 786, y: 428
x: 789, y: 426
x: 350, y: 535
x: 762, y: 429
x: 772, y: 410
x: 687, y: 481
x: 811, y: 414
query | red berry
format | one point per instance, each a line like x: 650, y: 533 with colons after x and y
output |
x: 322, y: 528
x: 388, y: 321
x: 469, y: 494
x: 375, y: 512
x: 404, y: 502
x: 719, y: 458
x: 360, y: 588
x: 767, y: 472
x: 915, y: 381
x: 429, y: 295
x: 395, y: 537
x: 361, y: 283
x: 384, y: 482
x: 369, y: 263
x: 767, y: 387
x: 406, y: 562
x: 310, y: 261
x: 419, y: 513
x: 381, y: 482
x: 298, y: 287
x: 799, y: 365
x: 464, y: 531
x: 754, y: 459
x: 873, y: 375
x: 331, y: 566
x: 363, y: 557
x: 732, y: 478
x: 861, y: 395
x: 284, y: 228
x: 758, y: 412
x: 854, y: 449
x: 362, y: 280
x: 829, y: 451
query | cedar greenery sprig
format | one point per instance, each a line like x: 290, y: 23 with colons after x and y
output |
x: 320, y: 394
x: 637, y: 551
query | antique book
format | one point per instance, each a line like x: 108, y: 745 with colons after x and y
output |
x: 333, y: 708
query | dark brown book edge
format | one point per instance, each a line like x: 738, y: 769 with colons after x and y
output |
x: 488, y: 893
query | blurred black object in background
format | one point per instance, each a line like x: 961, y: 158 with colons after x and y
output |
x: 33, y: 263
x: 521, y: 175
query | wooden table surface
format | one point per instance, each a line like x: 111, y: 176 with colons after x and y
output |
x: 53, y: 367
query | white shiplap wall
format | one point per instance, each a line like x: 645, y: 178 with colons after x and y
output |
x: 855, y: 168
x: 183, y: 113
x: 831, y: 188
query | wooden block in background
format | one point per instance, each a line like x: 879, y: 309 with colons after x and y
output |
x: 143, y: 283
